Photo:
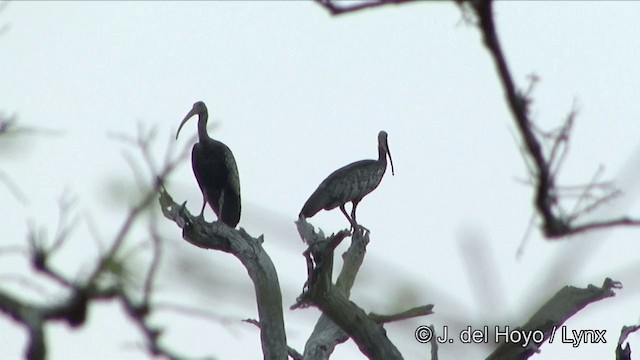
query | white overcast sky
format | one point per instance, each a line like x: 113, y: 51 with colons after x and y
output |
x: 296, y: 93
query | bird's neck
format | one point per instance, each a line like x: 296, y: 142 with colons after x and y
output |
x: 382, y: 155
x: 202, y: 126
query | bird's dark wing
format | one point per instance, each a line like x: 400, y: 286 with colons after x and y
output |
x: 350, y: 182
x: 233, y: 178
x: 211, y: 173
x: 231, y: 208
x: 315, y: 203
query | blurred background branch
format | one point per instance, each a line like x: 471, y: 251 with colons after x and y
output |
x: 543, y: 166
x: 110, y: 278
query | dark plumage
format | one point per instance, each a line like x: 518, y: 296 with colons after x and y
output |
x: 350, y: 183
x: 215, y: 169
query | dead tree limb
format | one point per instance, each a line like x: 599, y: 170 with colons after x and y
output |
x: 250, y: 252
x: 548, y: 319
x: 342, y: 318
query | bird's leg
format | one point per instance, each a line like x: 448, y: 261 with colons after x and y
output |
x: 204, y: 203
x: 353, y: 216
x: 354, y: 204
x: 220, y: 206
x: 351, y: 221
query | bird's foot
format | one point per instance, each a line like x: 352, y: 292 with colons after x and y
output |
x: 359, y: 228
x: 361, y: 233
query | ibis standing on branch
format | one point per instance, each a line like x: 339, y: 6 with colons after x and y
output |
x: 216, y: 171
x: 350, y: 183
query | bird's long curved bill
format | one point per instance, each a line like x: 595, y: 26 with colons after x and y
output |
x: 189, y: 115
x: 390, y: 159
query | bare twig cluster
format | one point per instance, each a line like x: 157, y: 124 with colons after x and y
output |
x: 543, y: 166
x: 108, y: 279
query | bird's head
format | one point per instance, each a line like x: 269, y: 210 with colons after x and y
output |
x: 382, y: 142
x: 199, y: 108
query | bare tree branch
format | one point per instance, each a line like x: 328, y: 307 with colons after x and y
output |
x: 8, y: 126
x: 335, y: 9
x: 370, y: 337
x: 624, y: 352
x: 327, y: 334
x: 543, y: 168
x: 404, y: 315
x: 563, y: 305
x: 342, y: 318
x: 249, y: 251
x: 293, y: 353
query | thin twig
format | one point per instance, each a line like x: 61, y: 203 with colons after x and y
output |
x: 155, y: 261
x: 64, y: 226
x: 13, y: 188
x: 335, y: 9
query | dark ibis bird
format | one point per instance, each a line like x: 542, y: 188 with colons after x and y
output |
x: 350, y: 183
x: 216, y: 171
